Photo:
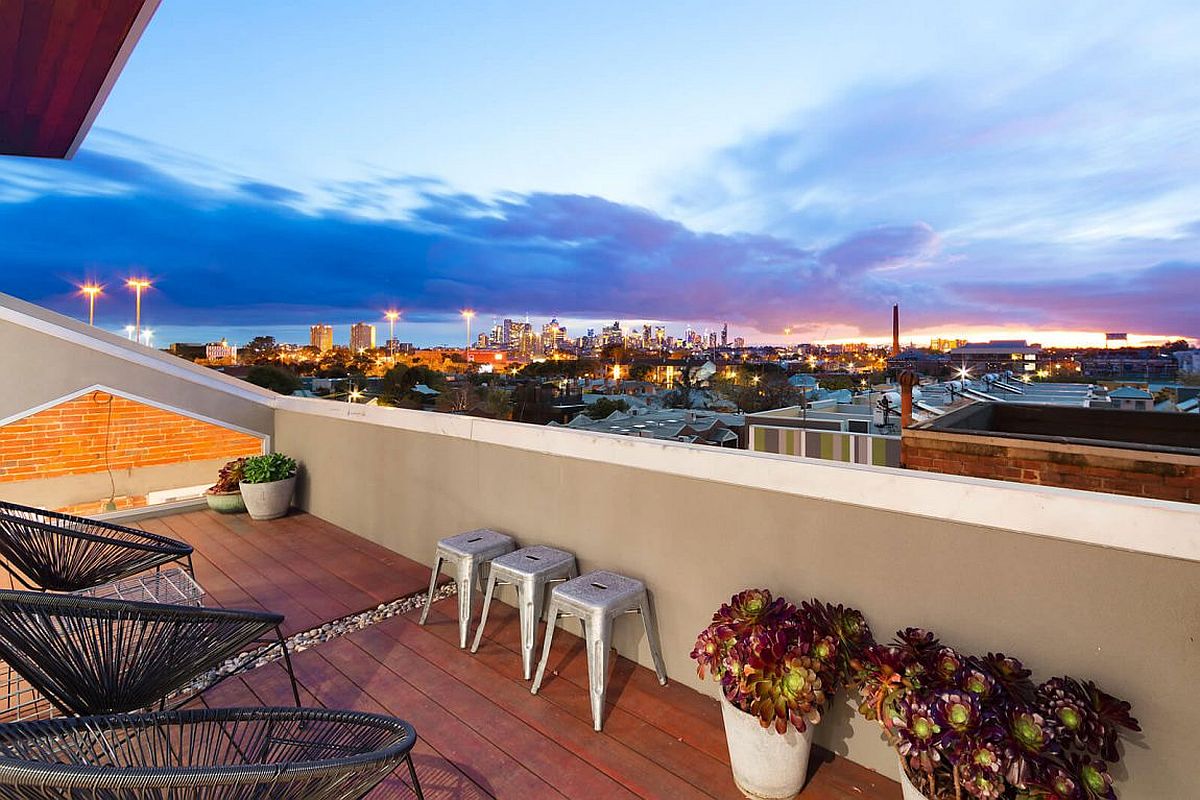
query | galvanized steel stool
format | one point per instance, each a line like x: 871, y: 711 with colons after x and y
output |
x: 470, y: 553
x: 598, y: 598
x: 530, y: 570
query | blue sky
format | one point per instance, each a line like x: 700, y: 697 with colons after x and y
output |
x: 993, y: 170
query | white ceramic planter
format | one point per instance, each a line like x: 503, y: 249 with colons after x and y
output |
x: 268, y: 500
x: 766, y: 766
x: 907, y: 790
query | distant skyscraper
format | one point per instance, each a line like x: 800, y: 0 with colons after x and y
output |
x: 725, y: 334
x: 518, y: 337
x: 612, y: 334
x: 712, y: 340
x: 660, y: 335
x: 553, y: 336
x: 739, y: 342
x: 321, y: 337
x: 362, y: 337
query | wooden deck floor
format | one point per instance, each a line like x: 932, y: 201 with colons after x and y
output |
x: 482, y: 734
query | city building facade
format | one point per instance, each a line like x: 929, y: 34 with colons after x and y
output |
x: 321, y: 337
x: 362, y: 337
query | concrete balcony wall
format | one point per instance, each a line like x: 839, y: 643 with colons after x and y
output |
x: 1087, y: 584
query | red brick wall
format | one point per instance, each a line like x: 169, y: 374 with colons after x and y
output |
x: 68, y: 439
x: 1121, y: 472
x: 94, y: 507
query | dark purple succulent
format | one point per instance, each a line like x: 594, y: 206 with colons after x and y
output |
x: 1009, y: 674
x: 982, y: 784
x: 1064, y: 702
x: 946, y: 665
x: 882, y: 678
x: 709, y: 652
x: 1056, y: 784
x: 845, y: 626
x: 918, y: 640
x: 1030, y: 732
x: 957, y: 714
x: 1094, y: 780
x: 985, y: 755
x: 978, y: 727
x: 1089, y: 716
x: 785, y: 689
x: 754, y: 607
x: 918, y: 730
x: 1112, y: 714
x: 776, y: 661
x: 977, y: 682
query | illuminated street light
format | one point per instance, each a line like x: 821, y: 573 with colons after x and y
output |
x: 129, y: 332
x: 353, y: 395
x: 468, y: 314
x: 391, y: 316
x: 91, y: 290
x: 147, y: 335
x: 138, y: 284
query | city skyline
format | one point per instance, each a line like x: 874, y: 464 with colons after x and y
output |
x: 1018, y: 174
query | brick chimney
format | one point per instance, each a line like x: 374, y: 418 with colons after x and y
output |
x: 896, y: 330
x: 908, y: 379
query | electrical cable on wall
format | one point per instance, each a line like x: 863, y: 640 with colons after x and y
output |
x: 111, y: 505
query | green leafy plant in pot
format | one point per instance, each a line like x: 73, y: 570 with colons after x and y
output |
x: 268, y: 483
x: 225, y: 495
x: 777, y: 665
x: 969, y: 726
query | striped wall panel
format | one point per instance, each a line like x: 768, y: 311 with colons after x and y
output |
x: 853, y: 448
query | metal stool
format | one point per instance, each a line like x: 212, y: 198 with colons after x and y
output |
x: 530, y: 570
x: 470, y: 553
x: 598, y: 598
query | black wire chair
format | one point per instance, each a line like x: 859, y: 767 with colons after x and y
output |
x: 63, y: 553
x: 205, y: 754
x: 88, y: 655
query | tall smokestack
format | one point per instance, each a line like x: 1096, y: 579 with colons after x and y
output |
x: 896, y: 330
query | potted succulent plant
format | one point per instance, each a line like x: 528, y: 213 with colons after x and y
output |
x: 267, y: 485
x: 978, y: 727
x: 225, y: 495
x: 777, y: 665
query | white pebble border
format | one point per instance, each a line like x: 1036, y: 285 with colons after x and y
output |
x: 299, y: 642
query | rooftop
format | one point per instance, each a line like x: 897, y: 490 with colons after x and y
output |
x: 482, y: 733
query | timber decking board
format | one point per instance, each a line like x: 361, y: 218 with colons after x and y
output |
x: 482, y: 734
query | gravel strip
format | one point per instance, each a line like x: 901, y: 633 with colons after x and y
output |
x: 305, y: 639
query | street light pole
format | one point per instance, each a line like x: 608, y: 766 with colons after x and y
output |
x: 391, y: 316
x: 91, y: 290
x: 468, y: 314
x: 138, y: 284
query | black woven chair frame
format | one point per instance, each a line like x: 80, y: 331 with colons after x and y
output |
x: 89, y: 655
x: 51, y: 551
x: 205, y: 754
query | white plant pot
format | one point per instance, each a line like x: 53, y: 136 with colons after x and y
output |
x: 766, y: 766
x: 907, y: 790
x: 268, y: 500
